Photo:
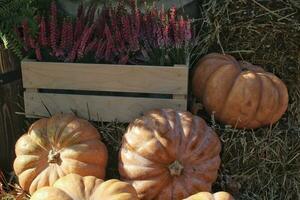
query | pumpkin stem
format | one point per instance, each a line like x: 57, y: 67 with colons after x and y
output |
x: 54, y: 157
x: 176, y: 168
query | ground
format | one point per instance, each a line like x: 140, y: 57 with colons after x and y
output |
x: 260, y: 164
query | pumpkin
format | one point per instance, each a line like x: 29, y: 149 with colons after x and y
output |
x: 209, y: 196
x: 55, y: 147
x: 238, y: 93
x: 75, y: 187
x: 169, y: 155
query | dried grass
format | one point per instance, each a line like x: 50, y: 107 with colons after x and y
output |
x: 265, y: 163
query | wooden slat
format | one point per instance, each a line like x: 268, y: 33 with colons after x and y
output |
x: 97, y: 108
x: 102, y: 77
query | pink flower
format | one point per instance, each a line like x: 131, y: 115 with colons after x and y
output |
x: 100, y: 51
x: 126, y: 29
x: 166, y: 35
x: 53, y: 26
x: 42, y: 35
x: 64, y: 35
x: 70, y: 36
x: 123, y: 60
x: 38, y: 53
x: 84, y: 40
x: 73, y: 53
x: 188, y: 31
x: 25, y: 27
x: 92, y: 46
x: 159, y: 35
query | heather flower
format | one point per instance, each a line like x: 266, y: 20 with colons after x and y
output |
x: 188, y: 31
x: 166, y: 35
x: 92, y: 46
x: 31, y: 42
x: 160, y: 38
x: 119, y: 41
x: 100, y: 51
x: 110, y: 43
x: 126, y: 28
x: 64, y: 35
x: 25, y: 27
x: 42, y: 34
x: 91, y: 14
x: 182, y: 27
x: 138, y: 21
x: 70, y: 36
x: 73, y: 53
x: 173, y: 15
x: 84, y: 40
x: 38, y: 53
x: 53, y: 26
x: 116, y: 33
x: 123, y: 60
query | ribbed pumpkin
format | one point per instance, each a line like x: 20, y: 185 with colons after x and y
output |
x: 209, y: 196
x: 169, y: 155
x: 58, y: 146
x: 239, y: 93
x: 75, y: 187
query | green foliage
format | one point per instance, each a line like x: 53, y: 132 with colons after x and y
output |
x: 12, y: 13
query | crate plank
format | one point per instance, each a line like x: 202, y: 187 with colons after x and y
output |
x: 102, y: 77
x: 105, y: 108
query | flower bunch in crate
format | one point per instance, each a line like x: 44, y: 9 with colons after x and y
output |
x: 118, y: 34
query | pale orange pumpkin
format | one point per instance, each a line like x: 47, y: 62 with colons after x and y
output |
x: 239, y: 93
x: 75, y: 187
x: 55, y: 147
x: 209, y: 196
x: 169, y: 155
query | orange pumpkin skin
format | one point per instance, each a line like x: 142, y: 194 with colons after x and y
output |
x: 55, y: 147
x: 239, y: 93
x: 209, y: 196
x: 75, y: 187
x: 169, y: 155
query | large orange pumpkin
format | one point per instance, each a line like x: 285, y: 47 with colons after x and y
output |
x: 209, y: 196
x: 75, y: 187
x: 239, y: 93
x: 169, y: 155
x: 58, y: 146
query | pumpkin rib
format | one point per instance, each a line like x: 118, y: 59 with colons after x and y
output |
x: 219, y: 72
x: 193, y: 156
x: 268, y: 101
x: 275, y: 108
x: 259, y: 105
x: 178, y: 186
x: 206, y: 75
x: 61, y: 128
x: 282, y: 99
x: 251, y: 117
x: 74, y: 187
x: 227, y: 97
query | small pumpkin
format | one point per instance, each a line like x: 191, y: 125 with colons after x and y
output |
x: 209, y: 196
x: 239, y: 93
x: 55, y: 147
x: 75, y: 187
x: 169, y: 155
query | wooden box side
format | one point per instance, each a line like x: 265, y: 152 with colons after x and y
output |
x: 97, y: 108
x: 104, y: 77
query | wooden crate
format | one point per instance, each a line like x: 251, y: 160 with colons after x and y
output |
x: 102, y: 92
x: 11, y: 124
